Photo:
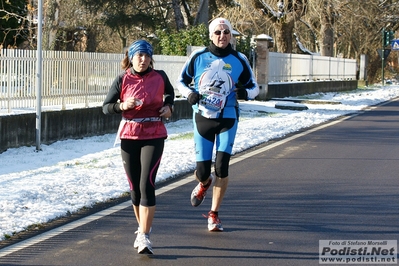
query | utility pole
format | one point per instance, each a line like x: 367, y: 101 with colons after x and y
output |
x: 39, y: 63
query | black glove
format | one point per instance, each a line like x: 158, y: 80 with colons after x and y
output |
x: 193, y: 98
x: 241, y: 93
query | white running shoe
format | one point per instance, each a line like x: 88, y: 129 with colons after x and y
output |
x: 136, y: 242
x: 144, y: 244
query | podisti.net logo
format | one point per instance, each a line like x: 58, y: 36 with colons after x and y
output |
x: 358, y: 251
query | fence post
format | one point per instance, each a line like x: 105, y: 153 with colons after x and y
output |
x: 262, y: 64
x: 310, y: 77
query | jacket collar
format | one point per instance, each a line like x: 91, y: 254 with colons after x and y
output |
x: 220, y: 51
x: 133, y: 72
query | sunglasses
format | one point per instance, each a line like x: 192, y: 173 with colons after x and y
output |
x: 225, y: 32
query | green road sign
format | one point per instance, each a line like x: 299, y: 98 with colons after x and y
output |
x: 388, y: 37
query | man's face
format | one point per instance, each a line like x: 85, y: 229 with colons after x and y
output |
x: 221, y: 36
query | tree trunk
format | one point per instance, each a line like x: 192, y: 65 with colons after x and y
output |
x: 327, y: 40
x: 326, y: 30
x: 50, y: 29
x: 202, y: 15
x: 178, y: 15
x: 284, y: 31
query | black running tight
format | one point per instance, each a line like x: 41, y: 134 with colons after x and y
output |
x: 141, y: 159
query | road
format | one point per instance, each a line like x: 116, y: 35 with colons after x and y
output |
x: 337, y: 181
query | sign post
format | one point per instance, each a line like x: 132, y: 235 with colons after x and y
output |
x: 382, y: 56
x: 387, y: 37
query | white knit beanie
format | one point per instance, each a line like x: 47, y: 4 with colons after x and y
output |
x: 216, y: 22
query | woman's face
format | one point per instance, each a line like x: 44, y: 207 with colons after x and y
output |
x: 221, y: 36
x: 141, y: 61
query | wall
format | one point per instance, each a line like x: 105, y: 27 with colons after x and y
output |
x: 280, y: 90
x: 20, y: 130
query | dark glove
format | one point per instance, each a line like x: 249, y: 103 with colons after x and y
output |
x: 193, y: 98
x: 241, y: 93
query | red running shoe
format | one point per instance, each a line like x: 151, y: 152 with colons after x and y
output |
x: 199, y: 192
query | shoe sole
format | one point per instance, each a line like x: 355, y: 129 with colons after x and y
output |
x: 215, y: 229
x: 196, y: 202
x: 146, y: 250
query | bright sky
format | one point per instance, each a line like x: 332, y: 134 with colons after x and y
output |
x: 36, y: 187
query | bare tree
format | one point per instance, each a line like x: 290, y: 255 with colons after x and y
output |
x: 359, y: 30
x: 16, y: 24
x: 331, y: 27
x: 283, y: 16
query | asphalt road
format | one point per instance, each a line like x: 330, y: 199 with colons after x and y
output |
x: 338, y: 181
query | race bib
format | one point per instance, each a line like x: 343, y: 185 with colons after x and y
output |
x: 212, y: 100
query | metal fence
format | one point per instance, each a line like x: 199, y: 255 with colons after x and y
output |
x: 68, y: 78
x: 75, y: 78
x: 297, y: 67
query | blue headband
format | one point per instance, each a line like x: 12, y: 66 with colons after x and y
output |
x: 140, y: 46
